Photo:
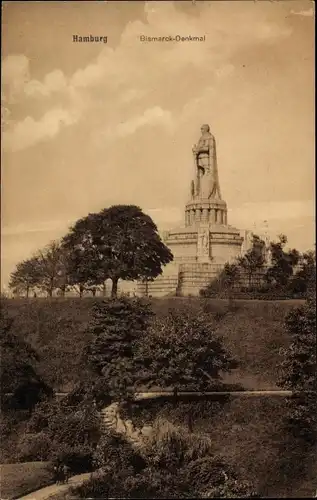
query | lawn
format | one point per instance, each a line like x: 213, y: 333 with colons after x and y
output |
x: 22, y: 478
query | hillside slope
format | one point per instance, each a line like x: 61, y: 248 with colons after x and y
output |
x: 252, y: 330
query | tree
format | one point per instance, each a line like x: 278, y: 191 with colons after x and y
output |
x: 115, y: 326
x: 299, y: 368
x: 254, y: 259
x: 120, y: 242
x: 25, y: 277
x: 283, y: 262
x: 18, y: 366
x: 52, y: 269
x: 182, y: 351
x: 307, y: 267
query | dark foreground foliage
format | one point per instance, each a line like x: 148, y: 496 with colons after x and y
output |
x: 172, y: 465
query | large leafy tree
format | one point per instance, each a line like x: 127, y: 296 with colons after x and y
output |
x: 52, y: 268
x: 181, y: 351
x: 120, y: 242
x: 116, y: 325
x: 25, y: 277
x: 254, y: 259
x: 283, y: 262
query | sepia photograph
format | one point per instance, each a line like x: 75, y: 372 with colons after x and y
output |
x: 158, y: 256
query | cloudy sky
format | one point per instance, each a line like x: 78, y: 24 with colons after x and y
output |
x: 88, y: 125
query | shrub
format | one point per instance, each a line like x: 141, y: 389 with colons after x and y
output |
x: 72, y: 433
x: 182, y: 350
x: 78, y: 458
x: 232, y: 488
x: 113, y: 451
x: 150, y: 483
x: 34, y: 447
x: 171, y: 446
x: 299, y: 371
x: 207, y: 471
x: 115, y: 326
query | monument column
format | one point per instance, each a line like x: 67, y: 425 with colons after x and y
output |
x: 213, y: 216
x: 205, y: 215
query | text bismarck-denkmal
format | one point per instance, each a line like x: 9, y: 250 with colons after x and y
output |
x: 90, y: 39
x: 170, y: 38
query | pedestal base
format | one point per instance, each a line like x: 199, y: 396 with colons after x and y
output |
x: 191, y: 270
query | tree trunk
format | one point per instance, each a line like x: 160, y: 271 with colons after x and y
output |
x: 93, y: 292
x: 104, y: 289
x: 50, y: 292
x: 114, y: 290
x: 27, y: 291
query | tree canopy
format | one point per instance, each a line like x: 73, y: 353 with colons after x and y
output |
x: 254, y: 259
x: 283, y: 262
x: 25, y: 277
x: 116, y: 325
x: 120, y: 242
x: 181, y: 350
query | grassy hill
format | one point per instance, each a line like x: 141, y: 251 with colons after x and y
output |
x: 252, y: 330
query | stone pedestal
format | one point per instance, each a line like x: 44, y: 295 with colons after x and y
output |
x: 192, y: 268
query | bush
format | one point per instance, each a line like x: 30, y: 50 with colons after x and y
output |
x: 172, y: 446
x: 115, y: 326
x: 113, y: 451
x: 150, y: 483
x: 207, y: 471
x: 232, y: 488
x: 35, y: 447
x: 71, y: 434
x: 78, y: 458
x: 182, y: 351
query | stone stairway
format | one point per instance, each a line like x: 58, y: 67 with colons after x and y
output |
x: 112, y: 422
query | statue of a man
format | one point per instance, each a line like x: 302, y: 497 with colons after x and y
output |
x: 203, y: 148
x: 206, y: 164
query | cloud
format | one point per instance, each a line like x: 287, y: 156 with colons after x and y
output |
x: 136, y: 65
x: 132, y: 95
x: 150, y: 117
x: 304, y: 13
x: 54, y: 81
x: 29, y: 131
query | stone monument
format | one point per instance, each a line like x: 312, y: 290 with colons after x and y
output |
x: 206, y: 242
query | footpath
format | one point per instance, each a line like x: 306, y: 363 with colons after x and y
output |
x: 55, y: 489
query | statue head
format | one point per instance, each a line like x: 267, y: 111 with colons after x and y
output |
x: 205, y: 129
